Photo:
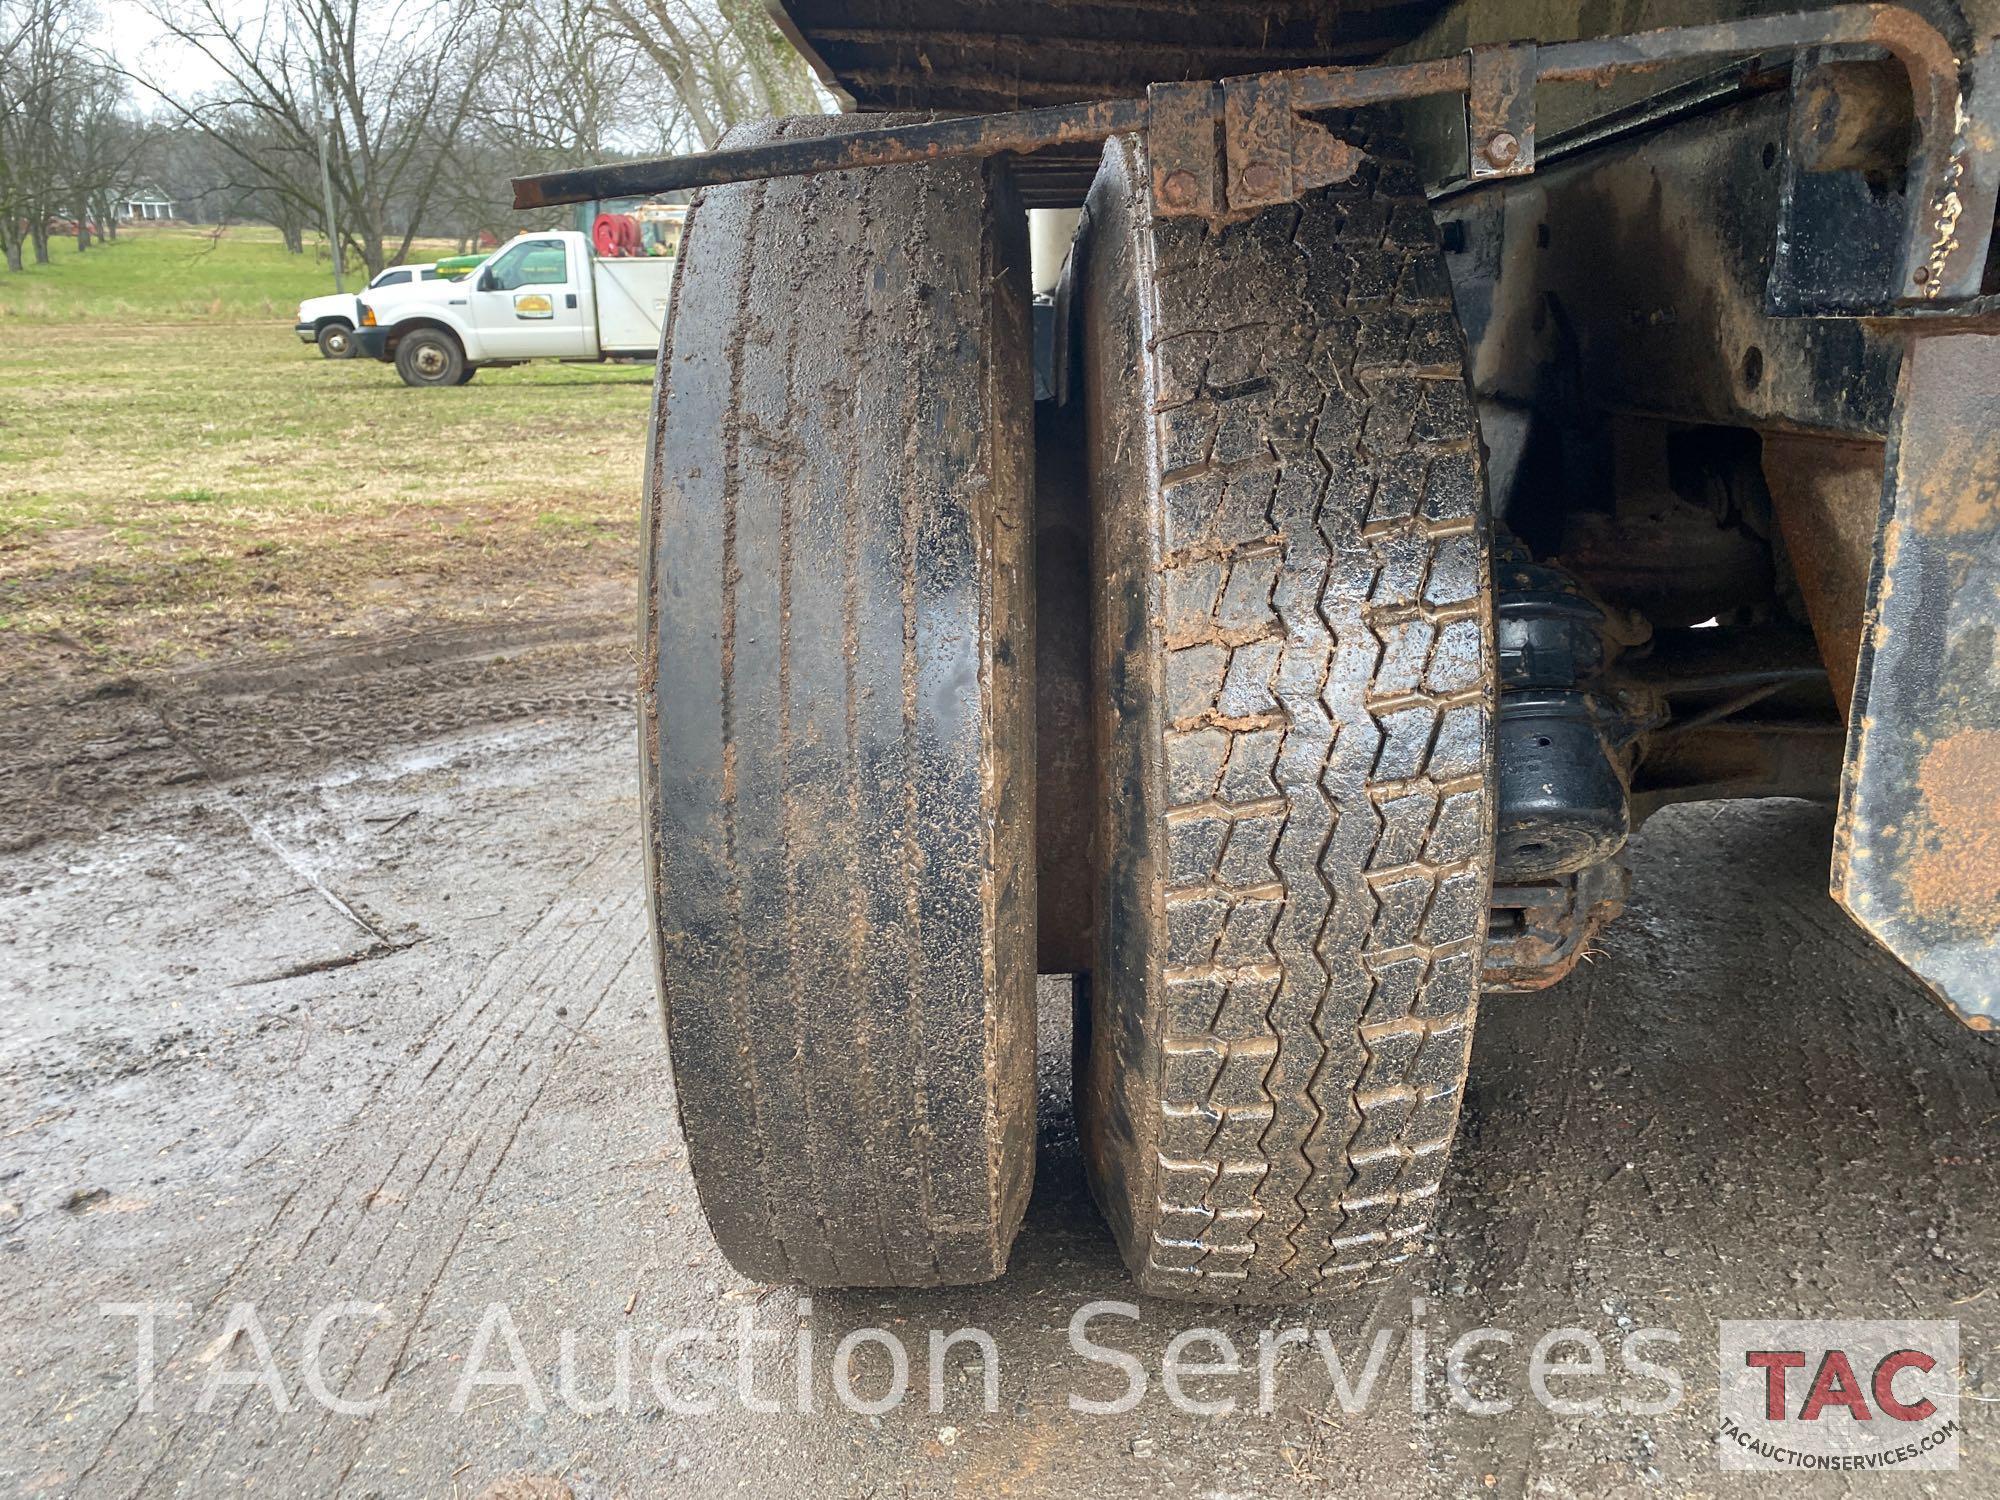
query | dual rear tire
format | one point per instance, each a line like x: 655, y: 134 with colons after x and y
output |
x: 1295, y: 663
x: 837, y: 726
x: 1293, y: 679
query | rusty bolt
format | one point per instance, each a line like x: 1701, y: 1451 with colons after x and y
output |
x: 1260, y: 179
x: 1178, y: 189
x: 1504, y: 149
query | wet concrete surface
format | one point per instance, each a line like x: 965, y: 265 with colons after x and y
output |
x: 328, y: 983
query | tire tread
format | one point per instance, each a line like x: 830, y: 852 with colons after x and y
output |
x: 1310, y: 503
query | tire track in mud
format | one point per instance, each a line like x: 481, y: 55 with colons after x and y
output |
x: 77, y: 760
x: 379, y: 1217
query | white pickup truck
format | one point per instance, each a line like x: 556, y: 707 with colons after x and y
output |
x: 329, y: 321
x: 545, y: 295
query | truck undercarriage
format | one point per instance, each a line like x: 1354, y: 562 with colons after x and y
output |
x: 1465, y: 435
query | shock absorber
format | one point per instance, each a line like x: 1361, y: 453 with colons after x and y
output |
x: 1563, y: 802
x: 1564, y: 807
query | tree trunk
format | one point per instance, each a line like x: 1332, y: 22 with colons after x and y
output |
x: 10, y: 236
x: 295, y: 237
x: 83, y: 229
x: 38, y: 231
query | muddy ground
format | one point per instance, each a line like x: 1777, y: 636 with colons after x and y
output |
x: 328, y: 982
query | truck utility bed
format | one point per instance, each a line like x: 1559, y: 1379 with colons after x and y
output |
x: 632, y: 295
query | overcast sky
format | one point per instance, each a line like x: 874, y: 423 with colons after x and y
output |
x: 136, y: 40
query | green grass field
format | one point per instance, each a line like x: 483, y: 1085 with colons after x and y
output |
x: 181, y: 477
x: 154, y: 274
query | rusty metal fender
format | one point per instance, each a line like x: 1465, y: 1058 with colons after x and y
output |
x: 1917, y: 851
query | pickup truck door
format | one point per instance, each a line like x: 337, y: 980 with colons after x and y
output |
x: 525, y: 303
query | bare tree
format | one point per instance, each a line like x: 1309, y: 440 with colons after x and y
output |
x: 210, y: 183
x: 572, y: 81
x: 45, y: 62
x: 395, y: 93
x: 724, y: 60
x: 423, y: 109
x: 562, y: 81
x: 99, y: 145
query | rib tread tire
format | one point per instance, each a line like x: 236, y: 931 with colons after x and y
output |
x: 1294, y: 637
x: 837, y: 718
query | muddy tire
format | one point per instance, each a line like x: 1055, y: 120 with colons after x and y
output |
x: 837, y: 719
x: 430, y: 356
x: 335, y: 340
x: 1294, y: 641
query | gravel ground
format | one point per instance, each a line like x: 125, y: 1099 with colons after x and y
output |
x: 328, y: 983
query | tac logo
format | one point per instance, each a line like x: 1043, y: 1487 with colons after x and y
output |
x: 1839, y: 1395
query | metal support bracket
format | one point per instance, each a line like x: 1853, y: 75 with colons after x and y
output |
x: 1274, y: 152
x: 1184, y: 142
x: 1500, y: 110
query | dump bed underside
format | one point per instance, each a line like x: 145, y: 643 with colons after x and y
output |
x: 1015, y: 54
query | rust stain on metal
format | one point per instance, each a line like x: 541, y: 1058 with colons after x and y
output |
x: 1918, y: 857
x: 970, y: 135
x: 1320, y: 158
x: 1500, y: 110
x: 1960, y: 495
x: 1258, y: 120
x: 1184, y: 146
x: 1855, y: 117
x: 1955, y: 873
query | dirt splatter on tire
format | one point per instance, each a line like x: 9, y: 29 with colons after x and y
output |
x: 837, y: 718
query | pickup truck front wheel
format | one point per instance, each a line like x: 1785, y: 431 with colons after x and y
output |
x: 430, y: 356
x: 335, y: 340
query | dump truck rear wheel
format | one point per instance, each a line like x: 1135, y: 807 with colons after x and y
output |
x: 1294, y: 643
x: 837, y: 720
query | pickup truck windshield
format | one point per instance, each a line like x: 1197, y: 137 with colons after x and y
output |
x: 530, y: 263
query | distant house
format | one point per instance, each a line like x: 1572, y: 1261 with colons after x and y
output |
x: 147, y: 205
